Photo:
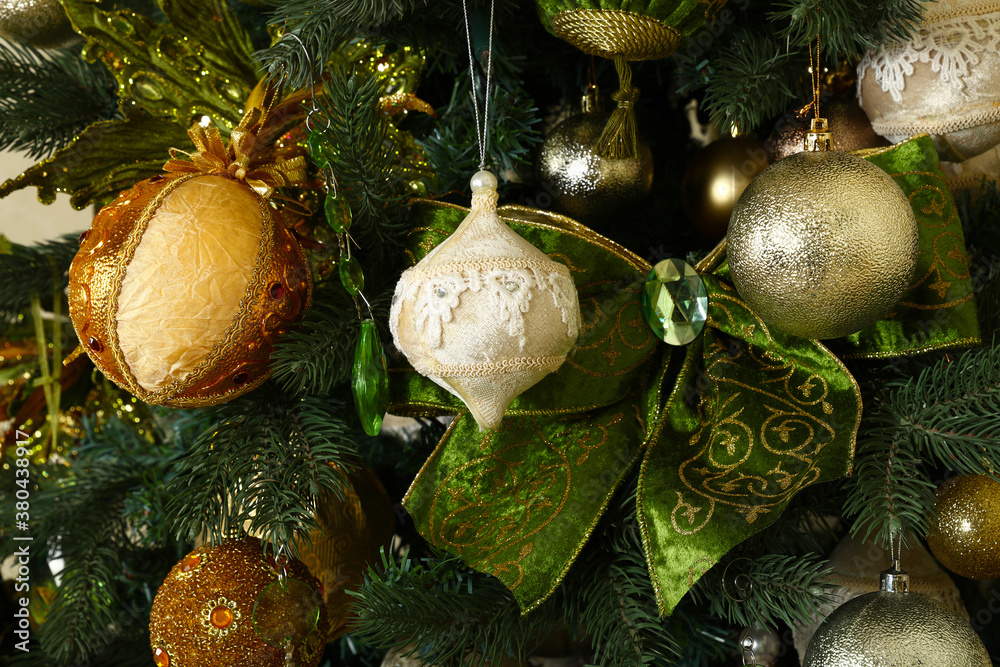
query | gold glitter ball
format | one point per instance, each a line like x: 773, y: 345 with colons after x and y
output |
x: 895, y: 630
x: 42, y: 24
x: 204, y: 612
x: 967, y: 537
x: 822, y: 244
x: 583, y: 185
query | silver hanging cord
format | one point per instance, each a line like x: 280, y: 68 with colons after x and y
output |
x: 480, y: 129
x: 312, y: 82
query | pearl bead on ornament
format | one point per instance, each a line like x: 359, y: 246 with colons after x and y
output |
x: 483, y: 180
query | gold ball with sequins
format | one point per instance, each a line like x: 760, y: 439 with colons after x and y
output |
x: 966, y: 538
x: 226, y: 606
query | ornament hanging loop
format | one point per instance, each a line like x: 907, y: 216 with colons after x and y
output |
x: 746, y: 647
x: 742, y: 582
x: 482, y: 130
x: 819, y: 137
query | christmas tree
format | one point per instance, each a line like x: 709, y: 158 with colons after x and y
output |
x: 688, y: 375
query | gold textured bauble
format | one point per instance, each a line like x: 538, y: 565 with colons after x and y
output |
x: 350, y: 535
x: 855, y: 567
x: 204, y: 612
x: 583, y: 185
x: 895, y: 630
x: 966, y: 538
x: 822, y: 244
x: 181, y: 285
x: 852, y: 131
x: 41, y: 24
x: 714, y: 180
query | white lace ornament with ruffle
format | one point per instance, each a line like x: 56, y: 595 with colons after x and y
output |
x: 952, y: 48
x: 945, y: 82
x: 485, y: 315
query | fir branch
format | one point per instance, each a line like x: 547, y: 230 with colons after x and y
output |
x: 620, y: 616
x: 41, y: 269
x: 364, y: 167
x: 323, y: 25
x: 609, y: 595
x: 889, y: 494
x: 748, y: 82
x: 318, y: 354
x: 846, y: 28
x: 48, y: 97
x: 766, y: 589
x: 451, y: 148
x: 444, y: 611
x: 262, y: 467
x: 83, y: 610
x: 951, y: 412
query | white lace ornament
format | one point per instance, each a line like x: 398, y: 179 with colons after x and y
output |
x: 945, y: 82
x: 486, y: 315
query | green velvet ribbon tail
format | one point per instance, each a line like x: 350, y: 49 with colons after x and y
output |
x: 620, y: 139
x: 754, y: 416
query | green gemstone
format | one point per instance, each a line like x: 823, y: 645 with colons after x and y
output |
x: 675, y: 302
x: 351, y: 276
x: 338, y: 213
x: 286, y: 612
x: 371, y: 379
x: 317, y: 149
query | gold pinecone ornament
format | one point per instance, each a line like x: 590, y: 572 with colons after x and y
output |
x: 486, y: 315
x: 183, y: 282
x: 822, y: 244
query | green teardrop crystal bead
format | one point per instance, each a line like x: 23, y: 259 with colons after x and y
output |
x: 338, y: 213
x: 317, y: 149
x: 371, y: 379
x: 351, y: 276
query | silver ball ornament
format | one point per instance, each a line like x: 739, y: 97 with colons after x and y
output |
x: 822, y: 244
x: 888, y: 629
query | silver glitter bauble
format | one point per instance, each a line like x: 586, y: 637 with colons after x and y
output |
x: 895, y: 630
x: 583, y: 185
x: 822, y: 244
x: 42, y: 24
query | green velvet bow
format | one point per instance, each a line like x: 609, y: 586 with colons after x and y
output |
x: 728, y: 429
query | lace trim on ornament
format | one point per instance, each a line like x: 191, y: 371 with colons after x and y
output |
x: 492, y: 368
x: 509, y: 283
x: 951, y: 47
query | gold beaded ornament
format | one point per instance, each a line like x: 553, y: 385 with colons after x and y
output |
x: 233, y: 606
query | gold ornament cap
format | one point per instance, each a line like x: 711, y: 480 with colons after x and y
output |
x: 819, y: 137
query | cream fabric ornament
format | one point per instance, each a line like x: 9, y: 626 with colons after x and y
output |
x: 945, y: 82
x: 486, y: 315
